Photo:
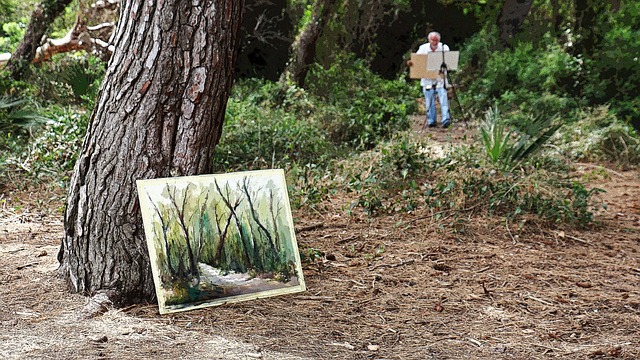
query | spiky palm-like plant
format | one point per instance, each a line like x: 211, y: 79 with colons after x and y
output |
x: 495, y: 136
x: 508, y: 148
x: 15, y: 117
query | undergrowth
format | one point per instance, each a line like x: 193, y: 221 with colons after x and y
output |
x: 600, y: 137
x: 347, y: 134
x: 399, y: 177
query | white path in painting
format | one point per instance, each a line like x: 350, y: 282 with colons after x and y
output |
x: 215, y: 276
x: 238, y: 283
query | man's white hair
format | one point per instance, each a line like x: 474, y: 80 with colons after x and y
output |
x: 434, y: 33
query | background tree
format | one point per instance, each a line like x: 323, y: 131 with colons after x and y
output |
x: 43, y: 16
x: 511, y: 18
x: 159, y: 113
x: 303, y: 49
x: 92, y: 31
x: 266, y: 38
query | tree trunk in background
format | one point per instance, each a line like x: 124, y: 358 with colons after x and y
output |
x: 511, y: 18
x: 41, y: 20
x: 303, y: 49
x: 587, y: 30
x: 159, y: 113
x: 585, y: 25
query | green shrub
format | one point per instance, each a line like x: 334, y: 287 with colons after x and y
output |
x: 263, y: 130
x: 17, y: 116
x: 549, y: 195
x: 384, y: 178
x: 613, y: 71
x: 12, y: 33
x: 52, y: 150
x: 308, y: 185
x: 274, y: 95
x: 370, y: 108
x: 600, y: 136
x: 529, y: 79
x: 70, y: 79
x: 508, y: 148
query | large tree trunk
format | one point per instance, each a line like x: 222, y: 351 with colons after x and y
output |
x: 41, y: 19
x: 303, y: 49
x: 159, y: 113
x: 511, y: 18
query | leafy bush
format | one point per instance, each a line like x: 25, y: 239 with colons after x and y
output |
x: 613, y: 72
x: 399, y: 176
x: 526, y: 80
x: 12, y: 33
x: 556, y: 74
x: 16, y: 117
x: 463, y: 187
x: 259, y: 132
x: 307, y: 185
x: 384, y: 178
x: 281, y: 123
x: 53, y: 149
x: 600, y: 136
x: 18, y: 121
x: 70, y: 78
x: 370, y: 108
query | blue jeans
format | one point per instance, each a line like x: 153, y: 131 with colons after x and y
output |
x: 430, y: 104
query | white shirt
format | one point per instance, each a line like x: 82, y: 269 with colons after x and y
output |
x: 425, y: 49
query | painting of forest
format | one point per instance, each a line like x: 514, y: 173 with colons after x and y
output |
x: 215, y: 239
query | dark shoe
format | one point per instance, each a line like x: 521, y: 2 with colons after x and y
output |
x: 444, y: 126
x: 432, y: 125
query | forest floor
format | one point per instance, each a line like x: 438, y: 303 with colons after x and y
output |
x: 395, y: 286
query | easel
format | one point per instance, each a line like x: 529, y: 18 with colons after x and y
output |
x: 429, y: 65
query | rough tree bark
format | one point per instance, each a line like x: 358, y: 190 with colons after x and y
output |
x: 511, y: 18
x: 41, y: 19
x: 159, y: 113
x: 303, y: 49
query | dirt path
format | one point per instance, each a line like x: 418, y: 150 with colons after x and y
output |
x: 392, y: 287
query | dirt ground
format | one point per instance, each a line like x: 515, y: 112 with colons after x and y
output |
x: 391, y: 287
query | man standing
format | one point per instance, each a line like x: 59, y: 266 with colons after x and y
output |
x: 431, y: 87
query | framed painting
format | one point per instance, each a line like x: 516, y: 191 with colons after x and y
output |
x: 216, y: 239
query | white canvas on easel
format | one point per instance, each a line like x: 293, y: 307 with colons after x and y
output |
x: 436, y: 59
x: 427, y: 66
